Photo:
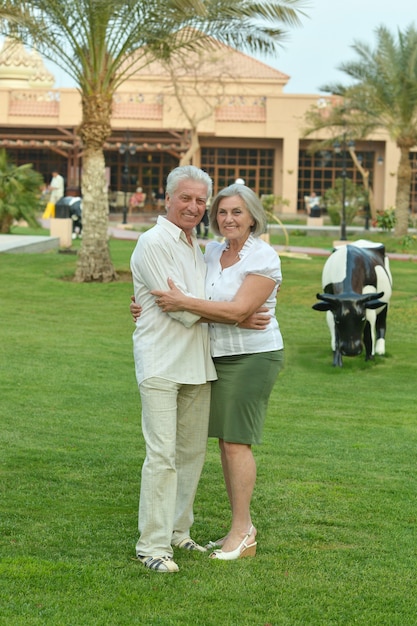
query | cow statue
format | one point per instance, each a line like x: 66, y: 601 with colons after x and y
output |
x: 357, y: 286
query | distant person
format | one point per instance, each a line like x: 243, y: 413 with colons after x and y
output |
x: 160, y: 198
x: 75, y: 214
x: 56, y: 187
x: 203, y: 226
x: 56, y: 191
x: 313, y: 202
x: 137, y: 200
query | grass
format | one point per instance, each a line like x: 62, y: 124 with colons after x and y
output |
x: 298, y: 238
x: 335, y: 502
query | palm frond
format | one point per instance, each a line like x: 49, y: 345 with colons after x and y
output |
x: 93, y: 39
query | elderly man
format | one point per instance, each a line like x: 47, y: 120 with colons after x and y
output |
x: 173, y: 371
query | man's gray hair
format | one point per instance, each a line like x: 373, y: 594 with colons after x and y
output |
x: 252, y: 203
x: 188, y: 172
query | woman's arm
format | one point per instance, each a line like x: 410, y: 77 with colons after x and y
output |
x: 251, y: 295
x: 257, y: 321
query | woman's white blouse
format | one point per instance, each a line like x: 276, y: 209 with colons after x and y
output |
x: 256, y: 257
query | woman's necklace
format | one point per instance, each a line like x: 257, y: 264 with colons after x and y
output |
x: 228, y: 247
x: 231, y: 259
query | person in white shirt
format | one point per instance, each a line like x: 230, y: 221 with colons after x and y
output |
x: 173, y: 370
x: 244, y: 273
x: 56, y: 187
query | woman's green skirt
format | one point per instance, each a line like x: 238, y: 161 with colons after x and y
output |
x: 239, y: 398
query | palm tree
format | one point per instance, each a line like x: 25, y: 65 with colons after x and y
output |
x: 382, y: 95
x: 101, y: 43
x: 331, y: 115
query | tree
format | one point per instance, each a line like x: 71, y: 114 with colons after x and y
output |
x: 101, y: 43
x: 201, y: 75
x: 20, y: 191
x: 331, y: 116
x: 382, y: 95
x: 191, y: 78
x: 354, y: 197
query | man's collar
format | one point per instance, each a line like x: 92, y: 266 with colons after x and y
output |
x: 175, y: 231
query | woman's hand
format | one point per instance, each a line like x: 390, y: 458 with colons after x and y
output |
x: 258, y: 320
x: 135, y: 309
x: 172, y: 300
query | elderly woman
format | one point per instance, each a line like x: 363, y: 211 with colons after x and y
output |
x: 243, y: 275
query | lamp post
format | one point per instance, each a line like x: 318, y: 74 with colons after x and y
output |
x: 342, y: 149
x: 127, y: 149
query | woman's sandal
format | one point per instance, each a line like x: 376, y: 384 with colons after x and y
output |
x: 244, y: 549
x: 163, y: 564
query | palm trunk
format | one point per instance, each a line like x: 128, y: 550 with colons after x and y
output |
x: 94, y: 261
x: 402, y: 201
x: 365, y: 178
x: 6, y: 224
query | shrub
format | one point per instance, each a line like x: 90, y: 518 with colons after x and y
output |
x: 20, y: 192
x: 355, y: 201
x: 386, y: 219
x: 273, y: 204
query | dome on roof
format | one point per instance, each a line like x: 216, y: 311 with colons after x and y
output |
x: 22, y: 69
x: 41, y: 77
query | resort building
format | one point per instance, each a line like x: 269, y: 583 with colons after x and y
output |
x: 225, y: 110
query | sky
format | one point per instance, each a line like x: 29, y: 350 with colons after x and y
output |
x: 313, y: 51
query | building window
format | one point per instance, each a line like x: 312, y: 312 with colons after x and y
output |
x: 254, y: 165
x: 148, y: 170
x: 318, y: 172
x: 44, y: 161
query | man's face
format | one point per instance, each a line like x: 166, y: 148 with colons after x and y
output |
x: 186, y: 206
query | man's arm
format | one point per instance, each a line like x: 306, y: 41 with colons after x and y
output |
x: 150, y: 265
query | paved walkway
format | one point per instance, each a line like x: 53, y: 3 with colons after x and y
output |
x: 27, y: 243
x: 119, y: 232
x: 36, y: 244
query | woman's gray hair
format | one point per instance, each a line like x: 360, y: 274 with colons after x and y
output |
x: 252, y: 203
x: 188, y: 172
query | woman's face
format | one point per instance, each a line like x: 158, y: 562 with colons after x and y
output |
x: 234, y: 219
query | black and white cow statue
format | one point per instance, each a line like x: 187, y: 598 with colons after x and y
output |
x: 357, y: 286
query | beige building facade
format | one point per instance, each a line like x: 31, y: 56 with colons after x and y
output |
x: 225, y: 112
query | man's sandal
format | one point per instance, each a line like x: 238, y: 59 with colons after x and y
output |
x: 189, y: 544
x: 163, y: 564
x: 216, y: 544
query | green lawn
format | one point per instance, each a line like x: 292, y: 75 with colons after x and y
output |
x: 335, y: 502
